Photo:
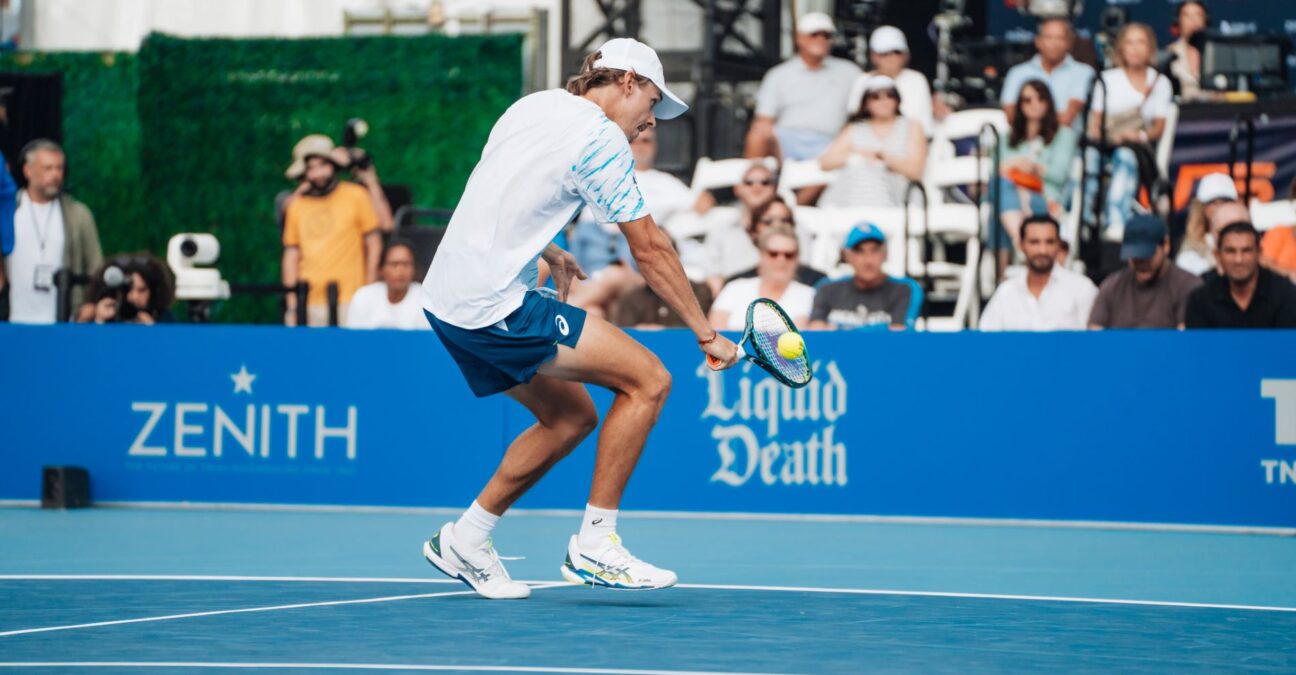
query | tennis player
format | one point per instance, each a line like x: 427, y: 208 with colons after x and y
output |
x: 551, y: 154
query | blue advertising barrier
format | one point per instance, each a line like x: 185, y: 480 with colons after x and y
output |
x: 1195, y: 427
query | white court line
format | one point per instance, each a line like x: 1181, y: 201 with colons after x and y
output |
x: 716, y: 587
x: 361, y: 666
x: 205, y: 577
x: 992, y: 596
x: 705, y: 515
x: 245, y: 610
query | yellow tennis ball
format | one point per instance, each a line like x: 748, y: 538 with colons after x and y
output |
x: 791, y: 345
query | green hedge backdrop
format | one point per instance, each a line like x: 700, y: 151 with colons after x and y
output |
x: 194, y: 135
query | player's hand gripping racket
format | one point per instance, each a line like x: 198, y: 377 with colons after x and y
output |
x: 772, y: 342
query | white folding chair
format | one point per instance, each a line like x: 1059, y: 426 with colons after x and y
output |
x: 712, y: 174
x: 801, y: 173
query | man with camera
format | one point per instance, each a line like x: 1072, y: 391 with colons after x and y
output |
x: 52, y: 232
x: 332, y: 228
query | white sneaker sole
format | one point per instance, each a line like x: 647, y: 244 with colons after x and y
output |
x: 573, y: 577
x: 446, y: 569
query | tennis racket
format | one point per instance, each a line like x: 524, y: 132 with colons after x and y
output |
x: 766, y: 322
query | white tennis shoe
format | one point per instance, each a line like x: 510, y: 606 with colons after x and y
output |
x: 481, y: 568
x: 612, y: 566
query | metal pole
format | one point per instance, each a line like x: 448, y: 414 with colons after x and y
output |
x: 303, y: 291
x: 63, y: 280
x: 332, y: 291
x: 706, y: 83
x: 926, y: 254
x: 1250, y: 157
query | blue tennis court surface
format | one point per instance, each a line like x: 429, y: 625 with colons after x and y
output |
x: 124, y: 591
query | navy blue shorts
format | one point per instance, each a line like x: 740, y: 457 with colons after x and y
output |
x: 499, y: 357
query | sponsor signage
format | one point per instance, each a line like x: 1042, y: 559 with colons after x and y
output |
x: 1178, y: 427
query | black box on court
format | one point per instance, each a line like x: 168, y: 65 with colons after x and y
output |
x: 65, y: 487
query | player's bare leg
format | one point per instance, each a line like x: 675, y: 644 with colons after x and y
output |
x: 565, y: 415
x: 608, y: 357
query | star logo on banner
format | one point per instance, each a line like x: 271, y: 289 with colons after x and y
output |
x: 243, y: 380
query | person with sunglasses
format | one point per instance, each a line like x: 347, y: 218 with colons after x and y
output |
x: 1034, y: 167
x: 728, y: 242
x: 889, y: 56
x: 1067, y: 79
x: 879, y: 151
x: 775, y: 213
x: 801, y: 102
x: 775, y: 279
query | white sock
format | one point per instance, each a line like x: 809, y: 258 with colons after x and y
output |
x: 598, y: 523
x: 474, y: 527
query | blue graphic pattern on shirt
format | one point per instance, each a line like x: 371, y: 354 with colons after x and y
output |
x: 605, y: 177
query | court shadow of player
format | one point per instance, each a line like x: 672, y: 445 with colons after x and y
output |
x: 614, y: 599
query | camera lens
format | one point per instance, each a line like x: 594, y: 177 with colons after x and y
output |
x: 188, y: 248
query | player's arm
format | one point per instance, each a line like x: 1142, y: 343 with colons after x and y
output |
x: 661, y: 268
x: 562, y: 266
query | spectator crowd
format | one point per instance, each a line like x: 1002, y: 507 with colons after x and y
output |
x: 869, y: 129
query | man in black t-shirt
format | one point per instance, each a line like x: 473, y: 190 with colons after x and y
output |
x: 1245, y: 295
x: 869, y: 299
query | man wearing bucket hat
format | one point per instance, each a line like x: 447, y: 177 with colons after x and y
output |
x: 801, y: 103
x: 331, y: 232
x: 551, y: 154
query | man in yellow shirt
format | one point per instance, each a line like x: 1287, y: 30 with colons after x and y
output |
x: 331, y: 233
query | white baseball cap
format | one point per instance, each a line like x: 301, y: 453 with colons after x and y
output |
x: 865, y: 84
x: 815, y: 22
x: 633, y: 55
x: 1216, y: 186
x: 888, y: 39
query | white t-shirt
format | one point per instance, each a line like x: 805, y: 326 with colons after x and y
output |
x: 797, y: 97
x: 38, y: 243
x: 736, y: 295
x: 1125, y: 97
x: 1193, y: 262
x: 371, y: 309
x: 1064, y: 304
x: 549, y: 154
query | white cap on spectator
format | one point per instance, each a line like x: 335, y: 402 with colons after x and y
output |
x: 888, y: 39
x: 877, y: 82
x: 1216, y: 186
x: 632, y: 55
x: 865, y: 84
x: 815, y: 22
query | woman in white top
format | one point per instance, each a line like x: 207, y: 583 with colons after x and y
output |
x: 1136, y: 99
x: 879, y: 151
x: 775, y: 279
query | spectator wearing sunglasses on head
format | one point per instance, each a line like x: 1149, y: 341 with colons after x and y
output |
x: 889, y: 56
x: 879, y: 151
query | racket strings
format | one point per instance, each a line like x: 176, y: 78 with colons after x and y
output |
x: 768, y: 325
